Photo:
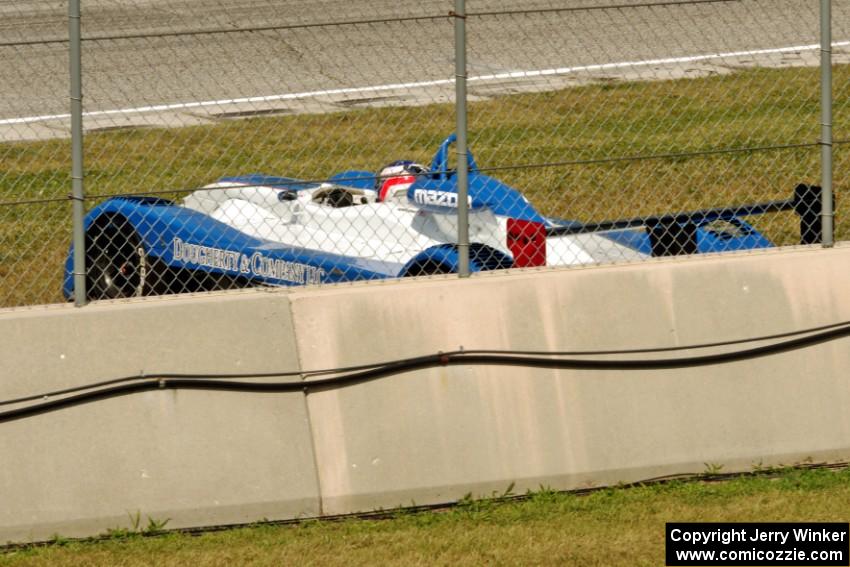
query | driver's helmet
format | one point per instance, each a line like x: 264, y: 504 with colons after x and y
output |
x: 396, y: 177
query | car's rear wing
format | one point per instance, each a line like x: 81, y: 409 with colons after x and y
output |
x: 676, y: 233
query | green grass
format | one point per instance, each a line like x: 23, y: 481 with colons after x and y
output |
x: 608, y: 527
x: 574, y: 127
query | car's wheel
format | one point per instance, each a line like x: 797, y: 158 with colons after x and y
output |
x: 428, y: 268
x: 115, y: 259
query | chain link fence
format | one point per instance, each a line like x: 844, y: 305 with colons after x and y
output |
x: 288, y: 143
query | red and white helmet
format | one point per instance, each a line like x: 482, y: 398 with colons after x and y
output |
x: 396, y: 177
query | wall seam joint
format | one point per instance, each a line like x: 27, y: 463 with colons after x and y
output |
x: 313, y: 450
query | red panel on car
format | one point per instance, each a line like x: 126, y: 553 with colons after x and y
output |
x: 527, y: 242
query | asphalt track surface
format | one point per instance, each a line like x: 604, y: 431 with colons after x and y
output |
x: 158, y: 62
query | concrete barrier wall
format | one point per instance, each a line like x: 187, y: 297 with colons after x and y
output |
x: 435, y: 435
x: 195, y: 458
x: 428, y: 436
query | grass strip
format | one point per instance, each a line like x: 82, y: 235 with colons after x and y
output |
x: 617, y: 526
x: 590, y: 124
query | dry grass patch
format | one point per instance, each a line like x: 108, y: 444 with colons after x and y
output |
x: 575, y: 128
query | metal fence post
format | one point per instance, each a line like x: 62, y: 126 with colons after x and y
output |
x: 827, y: 212
x: 462, y: 161
x: 77, y: 194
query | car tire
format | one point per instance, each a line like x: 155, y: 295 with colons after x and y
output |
x: 116, y: 263
x: 428, y: 268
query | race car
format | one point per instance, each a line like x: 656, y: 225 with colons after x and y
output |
x: 258, y: 230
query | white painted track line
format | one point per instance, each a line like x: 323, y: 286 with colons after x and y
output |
x: 512, y: 75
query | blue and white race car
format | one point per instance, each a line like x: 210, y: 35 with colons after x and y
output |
x: 259, y: 230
